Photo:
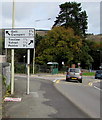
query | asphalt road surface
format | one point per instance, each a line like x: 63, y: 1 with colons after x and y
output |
x: 44, y: 101
x: 98, y: 85
x: 85, y: 95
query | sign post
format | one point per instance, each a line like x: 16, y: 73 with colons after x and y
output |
x: 28, y: 69
x: 12, y: 71
x: 20, y: 38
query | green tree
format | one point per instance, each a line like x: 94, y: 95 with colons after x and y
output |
x: 2, y: 45
x: 70, y: 15
x: 85, y: 58
x: 60, y: 44
x: 38, y: 38
x: 94, y: 52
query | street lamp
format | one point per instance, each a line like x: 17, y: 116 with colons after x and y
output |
x: 42, y: 19
x: 12, y: 51
x: 24, y: 64
x: 24, y: 59
x: 34, y: 46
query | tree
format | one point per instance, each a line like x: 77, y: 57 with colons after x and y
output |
x: 95, y: 48
x: 70, y: 15
x: 60, y: 44
x: 38, y: 38
x: 85, y: 58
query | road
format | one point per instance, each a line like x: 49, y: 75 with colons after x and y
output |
x: 44, y: 101
x: 98, y: 85
x: 85, y: 95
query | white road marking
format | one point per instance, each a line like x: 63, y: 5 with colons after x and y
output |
x: 55, y: 80
x: 97, y: 88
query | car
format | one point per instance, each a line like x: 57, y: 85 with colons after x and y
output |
x: 74, y: 74
x: 98, y: 74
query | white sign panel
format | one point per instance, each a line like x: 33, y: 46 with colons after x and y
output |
x: 19, y: 38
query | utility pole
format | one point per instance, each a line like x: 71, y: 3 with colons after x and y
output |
x: 34, y: 53
x: 12, y: 51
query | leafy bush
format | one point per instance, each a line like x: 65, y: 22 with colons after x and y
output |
x: 4, y: 80
x: 20, y: 68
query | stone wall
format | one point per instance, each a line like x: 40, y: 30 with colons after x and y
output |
x: 2, y: 58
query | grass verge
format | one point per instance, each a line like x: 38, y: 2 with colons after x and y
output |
x: 89, y: 73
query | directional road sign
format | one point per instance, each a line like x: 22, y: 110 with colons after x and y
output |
x: 19, y: 38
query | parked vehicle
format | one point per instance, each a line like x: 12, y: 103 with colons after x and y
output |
x: 74, y: 74
x: 98, y: 74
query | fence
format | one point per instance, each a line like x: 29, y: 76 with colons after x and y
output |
x: 22, y: 68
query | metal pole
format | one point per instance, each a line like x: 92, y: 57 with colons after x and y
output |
x: 12, y: 52
x: 34, y: 54
x: 34, y: 62
x: 100, y: 59
x: 28, y: 69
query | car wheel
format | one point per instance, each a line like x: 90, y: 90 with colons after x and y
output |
x: 67, y: 79
x: 80, y: 81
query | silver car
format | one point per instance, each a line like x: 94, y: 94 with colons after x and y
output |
x: 74, y: 74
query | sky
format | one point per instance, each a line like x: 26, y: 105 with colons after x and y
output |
x: 41, y: 14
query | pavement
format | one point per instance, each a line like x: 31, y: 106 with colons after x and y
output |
x: 0, y: 96
x: 28, y: 101
x: 20, y: 93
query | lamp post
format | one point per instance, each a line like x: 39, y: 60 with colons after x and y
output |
x: 100, y: 58
x: 12, y: 51
x: 34, y: 46
x: 24, y: 59
x: 24, y: 64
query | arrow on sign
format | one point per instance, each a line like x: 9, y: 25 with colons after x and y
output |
x: 31, y: 41
x: 7, y: 33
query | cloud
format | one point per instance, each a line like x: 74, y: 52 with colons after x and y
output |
x: 93, y: 11
x: 29, y: 12
x: 52, y: 0
x: 26, y: 14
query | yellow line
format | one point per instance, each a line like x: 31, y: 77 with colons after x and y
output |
x: 90, y: 83
x: 57, y: 81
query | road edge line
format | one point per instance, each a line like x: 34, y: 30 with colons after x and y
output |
x: 97, y: 88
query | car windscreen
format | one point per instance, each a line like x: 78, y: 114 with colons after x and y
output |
x: 74, y: 70
x: 99, y: 71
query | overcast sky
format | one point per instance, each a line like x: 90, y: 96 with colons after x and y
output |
x: 28, y: 12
